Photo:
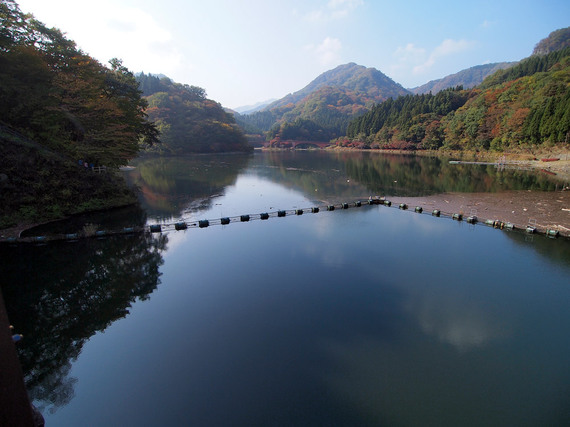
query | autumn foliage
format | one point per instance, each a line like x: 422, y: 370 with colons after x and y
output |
x: 61, y: 97
x: 524, y: 106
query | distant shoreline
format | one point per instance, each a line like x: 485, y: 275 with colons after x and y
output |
x: 560, y: 168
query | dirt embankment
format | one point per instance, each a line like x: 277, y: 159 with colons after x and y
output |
x: 545, y: 210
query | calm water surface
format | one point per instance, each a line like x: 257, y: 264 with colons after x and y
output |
x: 364, y: 316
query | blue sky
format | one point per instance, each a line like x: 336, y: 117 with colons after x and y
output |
x: 245, y: 51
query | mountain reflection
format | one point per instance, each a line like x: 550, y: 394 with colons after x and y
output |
x: 74, y: 291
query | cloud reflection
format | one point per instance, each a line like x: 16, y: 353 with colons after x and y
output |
x: 456, y: 321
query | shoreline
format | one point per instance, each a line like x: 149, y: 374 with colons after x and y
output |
x: 549, y: 209
x: 15, y: 231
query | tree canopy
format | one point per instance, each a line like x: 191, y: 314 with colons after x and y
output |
x: 57, y: 95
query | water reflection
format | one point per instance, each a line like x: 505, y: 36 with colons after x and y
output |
x: 111, y: 219
x: 340, y: 173
x: 171, y: 185
x: 59, y: 295
x: 456, y: 320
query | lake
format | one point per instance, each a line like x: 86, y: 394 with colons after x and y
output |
x: 363, y: 316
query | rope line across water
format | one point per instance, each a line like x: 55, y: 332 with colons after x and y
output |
x: 184, y: 225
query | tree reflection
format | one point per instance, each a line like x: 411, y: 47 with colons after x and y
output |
x: 344, y: 173
x: 59, y: 295
x: 168, y: 185
x: 403, y: 175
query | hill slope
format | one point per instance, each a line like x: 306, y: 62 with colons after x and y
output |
x: 348, y: 78
x: 188, y: 122
x: 467, y: 78
x: 556, y: 40
x: 59, y: 109
x: 40, y: 184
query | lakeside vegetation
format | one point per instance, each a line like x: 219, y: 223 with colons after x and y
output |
x: 62, y: 110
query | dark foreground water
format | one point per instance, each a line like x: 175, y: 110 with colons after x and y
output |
x: 364, y: 316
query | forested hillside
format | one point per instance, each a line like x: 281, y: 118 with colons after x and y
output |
x: 188, y: 122
x: 526, y: 105
x: 59, y: 110
x: 369, y: 82
x: 407, y: 122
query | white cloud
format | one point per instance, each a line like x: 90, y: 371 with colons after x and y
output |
x: 335, y: 9
x: 328, y: 52
x: 446, y: 48
x: 129, y: 33
x: 407, y: 57
x: 134, y: 36
x: 410, y: 53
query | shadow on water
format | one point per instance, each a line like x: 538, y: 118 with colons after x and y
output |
x: 73, y: 291
x: 111, y: 219
x: 552, y: 252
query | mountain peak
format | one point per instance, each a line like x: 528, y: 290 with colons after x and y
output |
x: 352, y: 77
x: 556, y: 40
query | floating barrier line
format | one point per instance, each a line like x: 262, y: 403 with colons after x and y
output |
x: 472, y: 219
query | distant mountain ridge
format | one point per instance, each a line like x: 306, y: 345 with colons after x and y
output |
x: 468, y: 78
x: 248, y: 109
x: 556, y: 40
x: 323, y: 109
